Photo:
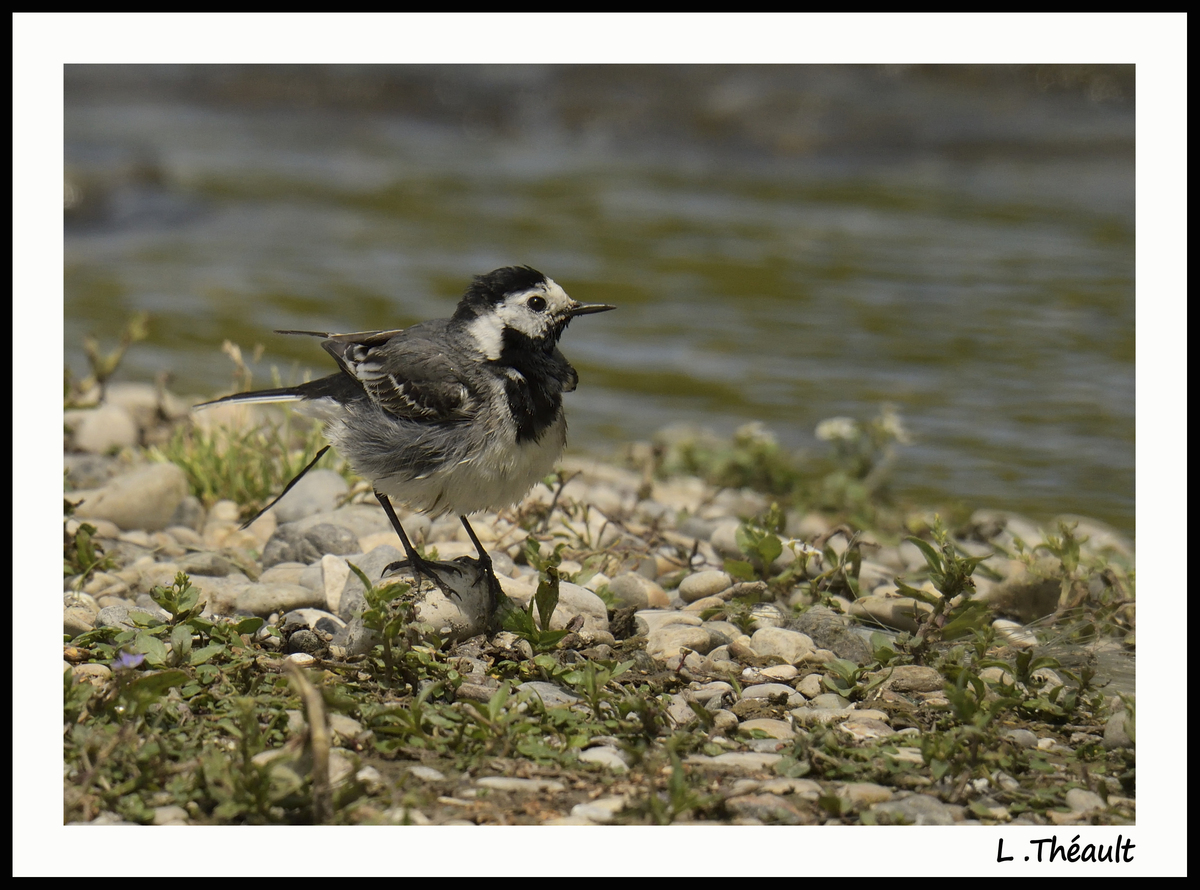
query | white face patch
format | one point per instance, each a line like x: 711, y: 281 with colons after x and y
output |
x: 516, y: 313
x: 488, y: 333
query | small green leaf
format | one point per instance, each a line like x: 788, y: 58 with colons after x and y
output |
x: 247, y: 625
x: 932, y: 558
x: 744, y: 538
x: 201, y: 656
x: 181, y: 642
x: 547, y: 596
x: 152, y: 647
x: 740, y: 570
x: 769, y: 550
x: 916, y: 593
x: 155, y: 684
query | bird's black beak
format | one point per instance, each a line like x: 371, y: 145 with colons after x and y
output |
x: 589, y: 308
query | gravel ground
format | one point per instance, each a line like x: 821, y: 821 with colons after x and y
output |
x: 770, y: 705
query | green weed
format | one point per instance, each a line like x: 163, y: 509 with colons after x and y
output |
x: 545, y: 600
x: 81, y: 554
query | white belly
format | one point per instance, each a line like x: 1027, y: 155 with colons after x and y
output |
x: 498, y: 476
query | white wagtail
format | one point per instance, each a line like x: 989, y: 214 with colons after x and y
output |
x: 457, y: 414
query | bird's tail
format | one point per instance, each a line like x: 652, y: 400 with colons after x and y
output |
x: 338, y: 386
x: 283, y: 394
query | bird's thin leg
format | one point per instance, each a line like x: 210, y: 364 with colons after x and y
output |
x: 414, y: 560
x: 484, y: 559
x: 485, y: 562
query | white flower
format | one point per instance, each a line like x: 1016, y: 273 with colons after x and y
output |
x: 890, y: 423
x: 754, y: 433
x: 837, y: 428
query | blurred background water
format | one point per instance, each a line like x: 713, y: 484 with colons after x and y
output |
x: 785, y: 243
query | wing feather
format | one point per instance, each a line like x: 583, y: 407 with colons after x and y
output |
x: 405, y: 372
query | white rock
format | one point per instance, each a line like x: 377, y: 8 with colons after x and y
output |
x: 667, y: 641
x: 775, y: 729
x: 650, y: 620
x: 790, y: 645
x: 606, y: 756
x: 602, y: 810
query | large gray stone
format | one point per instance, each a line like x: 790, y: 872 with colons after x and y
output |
x: 319, y: 491
x: 102, y: 429
x: 145, y: 498
x: 296, y: 542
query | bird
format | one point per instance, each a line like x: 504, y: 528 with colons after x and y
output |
x: 453, y: 415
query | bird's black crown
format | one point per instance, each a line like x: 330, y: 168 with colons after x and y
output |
x: 491, y: 289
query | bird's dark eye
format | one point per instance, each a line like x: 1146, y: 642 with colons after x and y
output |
x: 537, y: 304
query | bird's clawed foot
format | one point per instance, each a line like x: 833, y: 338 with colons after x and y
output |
x: 453, y: 578
x: 450, y: 577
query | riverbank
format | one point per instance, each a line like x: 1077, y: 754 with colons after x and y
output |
x: 716, y: 653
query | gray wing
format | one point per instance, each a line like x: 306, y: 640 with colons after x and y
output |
x: 407, y: 372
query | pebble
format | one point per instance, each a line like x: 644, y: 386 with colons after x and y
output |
x: 1116, y: 733
x: 775, y: 729
x: 917, y: 809
x: 78, y: 620
x: 318, y: 491
x: 780, y: 672
x: 1081, y: 801
x: 789, y: 645
x: 633, y: 590
x: 601, y: 811
x: 737, y: 761
x: 760, y: 809
x: 891, y: 610
x: 864, y: 729
x: 829, y: 700
x: 812, y: 716
x: 811, y: 686
x: 1022, y: 737
x: 101, y: 430
x: 669, y: 640
x: 170, y: 815
x: 607, y: 756
x: 551, y: 696
x: 911, y: 678
x: 97, y: 674
x: 704, y: 584
x: 1014, y: 634
x: 265, y: 599
x: 865, y: 794
x: 144, y: 499
x: 649, y: 620
x: 426, y: 774
x: 306, y: 545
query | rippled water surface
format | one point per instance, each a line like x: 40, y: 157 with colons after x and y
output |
x: 785, y: 244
